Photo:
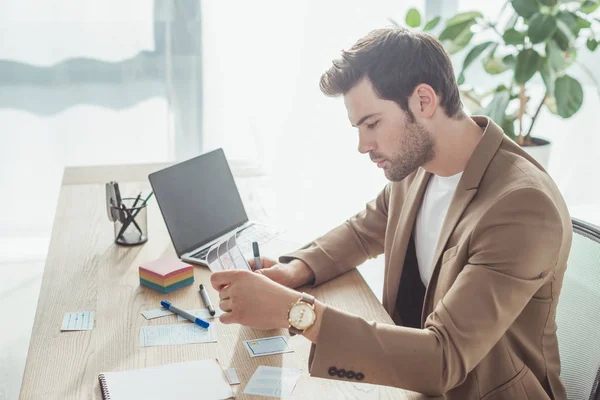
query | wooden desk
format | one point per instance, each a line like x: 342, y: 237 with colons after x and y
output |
x: 86, y: 271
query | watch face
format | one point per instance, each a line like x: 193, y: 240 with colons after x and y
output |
x: 302, y: 316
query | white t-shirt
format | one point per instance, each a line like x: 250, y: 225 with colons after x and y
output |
x: 430, y: 218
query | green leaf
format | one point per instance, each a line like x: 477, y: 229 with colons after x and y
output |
x: 452, y: 32
x: 559, y: 59
x: 461, y: 79
x: 525, y: 8
x: 548, y: 3
x: 591, y: 44
x: 464, y: 17
x: 582, y: 23
x: 514, y: 37
x: 473, y: 54
x: 569, y: 18
x: 495, y: 66
x: 431, y: 24
x: 560, y: 40
x: 497, y: 107
x: 510, y: 60
x: 565, y: 30
x: 589, y: 7
x: 569, y: 96
x: 508, y: 126
x: 541, y: 27
x: 550, y: 102
x: 548, y: 75
x: 460, y: 42
x: 413, y: 18
x: 574, y: 22
x: 527, y: 64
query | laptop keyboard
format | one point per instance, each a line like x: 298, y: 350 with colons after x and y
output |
x: 244, y: 239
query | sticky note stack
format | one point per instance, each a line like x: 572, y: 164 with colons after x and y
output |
x: 166, y: 274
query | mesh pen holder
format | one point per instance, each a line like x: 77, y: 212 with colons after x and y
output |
x: 131, y: 226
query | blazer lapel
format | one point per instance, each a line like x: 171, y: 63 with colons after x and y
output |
x: 465, y: 191
x: 404, y: 229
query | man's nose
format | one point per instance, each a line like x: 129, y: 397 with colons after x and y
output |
x: 365, y: 146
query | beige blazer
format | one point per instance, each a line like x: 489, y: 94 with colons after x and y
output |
x: 485, y: 326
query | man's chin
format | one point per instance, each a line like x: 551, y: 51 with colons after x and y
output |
x: 395, y: 176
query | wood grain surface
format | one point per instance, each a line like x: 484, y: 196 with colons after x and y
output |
x: 86, y: 271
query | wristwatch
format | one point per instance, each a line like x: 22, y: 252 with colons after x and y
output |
x: 301, y: 314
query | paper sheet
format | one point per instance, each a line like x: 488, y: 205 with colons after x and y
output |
x: 267, y: 346
x: 202, y: 314
x: 165, y: 335
x: 202, y: 379
x: 273, y: 381
x: 226, y: 255
x: 78, y: 321
x: 156, y: 313
x: 232, y: 376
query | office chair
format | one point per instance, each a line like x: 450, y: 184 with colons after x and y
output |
x: 578, y: 315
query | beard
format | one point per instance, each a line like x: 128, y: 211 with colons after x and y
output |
x: 417, y: 148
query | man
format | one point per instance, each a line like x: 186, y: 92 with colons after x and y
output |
x: 475, y: 234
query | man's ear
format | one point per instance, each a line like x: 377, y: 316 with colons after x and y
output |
x: 424, y: 101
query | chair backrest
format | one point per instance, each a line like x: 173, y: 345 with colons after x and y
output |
x: 578, y: 315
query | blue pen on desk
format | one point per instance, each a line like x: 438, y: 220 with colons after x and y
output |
x: 184, y: 314
x: 256, y: 255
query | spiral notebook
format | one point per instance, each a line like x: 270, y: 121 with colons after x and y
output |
x: 203, y: 379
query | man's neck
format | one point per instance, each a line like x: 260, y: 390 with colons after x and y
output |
x: 455, y: 142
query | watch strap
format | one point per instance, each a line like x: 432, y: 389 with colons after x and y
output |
x: 307, y: 298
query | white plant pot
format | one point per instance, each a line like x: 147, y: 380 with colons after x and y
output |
x: 541, y: 152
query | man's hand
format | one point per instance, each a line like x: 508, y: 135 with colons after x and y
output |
x: 292, y: 275
x: 252, y: 299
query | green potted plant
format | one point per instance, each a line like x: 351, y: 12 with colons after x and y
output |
x: 529, y: 39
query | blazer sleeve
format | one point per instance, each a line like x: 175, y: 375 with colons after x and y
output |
x: 513, y: 251
x: 349, y: 244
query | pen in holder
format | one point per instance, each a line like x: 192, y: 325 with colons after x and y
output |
x: 131, y: 228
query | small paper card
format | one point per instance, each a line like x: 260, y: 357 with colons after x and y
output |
x: 156, y: 313
x: 202, y: 314
x: 273, y: 381
x: 164, y: 335
x: 232, y: 376
x: 78, y: 321
x: 267, y: 346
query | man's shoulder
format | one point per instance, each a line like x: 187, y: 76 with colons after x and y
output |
x: 512, y: 169
x: 513, y: 175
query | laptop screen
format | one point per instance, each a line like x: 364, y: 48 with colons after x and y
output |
x: 198, y: 199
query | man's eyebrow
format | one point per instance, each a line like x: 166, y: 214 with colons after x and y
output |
x: 363, y: 119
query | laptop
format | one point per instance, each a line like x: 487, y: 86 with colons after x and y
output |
x: 201, y: 205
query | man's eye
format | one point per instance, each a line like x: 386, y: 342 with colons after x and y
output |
x: 373, y: 125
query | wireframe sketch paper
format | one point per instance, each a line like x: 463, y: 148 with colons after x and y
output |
x: 267, y: 346
x: 273, y: 381
x: 156, y: 313
x: 164, y: 335
x: 226, y: 255
x: 78, y: 321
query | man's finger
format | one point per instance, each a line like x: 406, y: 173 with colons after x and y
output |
x: 228, y: 318
x: 220, y: 279
x: 225, y: 305
x: 225, y: 293
x: 252, y: 264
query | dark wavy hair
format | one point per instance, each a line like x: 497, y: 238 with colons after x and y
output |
x: 396, y: 60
